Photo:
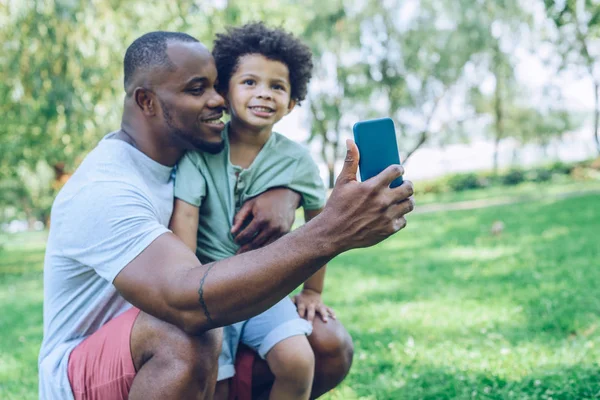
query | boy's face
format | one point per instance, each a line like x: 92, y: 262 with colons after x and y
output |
x: 259, y: 91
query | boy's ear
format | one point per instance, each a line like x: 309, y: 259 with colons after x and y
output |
x: 291, y: 106
x: 145, y: 100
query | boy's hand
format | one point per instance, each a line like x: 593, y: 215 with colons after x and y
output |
x: 265, y: 218
x: 309, y: 302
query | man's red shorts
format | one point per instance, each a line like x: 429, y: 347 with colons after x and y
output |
x: 101, y: 367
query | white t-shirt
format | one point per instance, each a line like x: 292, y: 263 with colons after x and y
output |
x: 115, y: 204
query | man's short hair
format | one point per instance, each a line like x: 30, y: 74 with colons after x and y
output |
x: 150, y: 50
x: 274, y: 44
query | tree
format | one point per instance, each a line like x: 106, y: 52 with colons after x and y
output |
x: 578, y: 28
x: 336, y: 87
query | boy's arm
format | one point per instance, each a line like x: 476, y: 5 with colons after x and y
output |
x: 309, y: 301
x: 184, y: 223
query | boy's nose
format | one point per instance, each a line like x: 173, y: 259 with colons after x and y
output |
x: 264, y: 93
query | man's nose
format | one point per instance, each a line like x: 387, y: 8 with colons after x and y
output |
x: 216, y: 100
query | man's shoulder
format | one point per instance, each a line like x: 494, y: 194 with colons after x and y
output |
x: 104, y: 172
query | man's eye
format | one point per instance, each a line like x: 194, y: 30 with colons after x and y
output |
x: 196, y: 91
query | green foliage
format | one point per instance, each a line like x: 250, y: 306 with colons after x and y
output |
x: 513, y: 177
x: 559, y: 171
x: 459, y: 182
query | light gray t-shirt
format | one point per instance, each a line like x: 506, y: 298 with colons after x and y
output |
x: 115, y: 204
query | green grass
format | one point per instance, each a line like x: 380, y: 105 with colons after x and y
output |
x: 444, y: 310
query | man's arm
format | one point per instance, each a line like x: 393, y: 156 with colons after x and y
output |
x: 184, y: 223
x: 167, y: 281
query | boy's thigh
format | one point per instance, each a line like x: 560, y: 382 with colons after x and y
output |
x: 276, y: 324
x: 102, y: 367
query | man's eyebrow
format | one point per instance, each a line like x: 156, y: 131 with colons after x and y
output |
x: 196, y: 79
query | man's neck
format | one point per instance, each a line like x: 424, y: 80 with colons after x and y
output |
x: 142, y: 139
x: 245, y: 143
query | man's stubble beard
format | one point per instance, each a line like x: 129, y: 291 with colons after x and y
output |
x: 188, y: 139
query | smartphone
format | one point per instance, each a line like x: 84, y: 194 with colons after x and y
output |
x: 376, y: 141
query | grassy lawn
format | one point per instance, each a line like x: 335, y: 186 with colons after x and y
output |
x: 444, y: 310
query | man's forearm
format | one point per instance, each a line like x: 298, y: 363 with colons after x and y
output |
x: 240, y: 287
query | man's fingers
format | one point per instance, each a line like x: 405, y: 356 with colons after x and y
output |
x: 350, y: 167
x: 249, y: 232
x: 241, y: 216
x: 402, y: 208
x: 387, y: 176
x: 259, y: 240
x: 402, y: 192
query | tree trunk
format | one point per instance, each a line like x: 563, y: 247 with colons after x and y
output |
x: 499, y: 123
x: 331, y: 169
x: 596, y: 115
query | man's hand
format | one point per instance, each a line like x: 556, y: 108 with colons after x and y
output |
x: 309, y: 302
x: 265, y: 218
x: 363, y: 214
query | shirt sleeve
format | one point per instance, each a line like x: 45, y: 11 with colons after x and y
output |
x: 190, y: 184
x: 107, y: 226
x: 307, y: 181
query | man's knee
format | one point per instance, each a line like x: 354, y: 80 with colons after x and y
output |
x: 333, y: 349
x: 331, y: 340
x: 155, y: 339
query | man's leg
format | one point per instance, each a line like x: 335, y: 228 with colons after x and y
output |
x: 171, y: 364
x: 137, y: 356
x: 333, y: 349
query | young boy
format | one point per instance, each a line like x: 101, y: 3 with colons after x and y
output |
x: 263, y: 73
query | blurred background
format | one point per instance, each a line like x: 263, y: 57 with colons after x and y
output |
x: 471, y: 85
x: 490, y: 291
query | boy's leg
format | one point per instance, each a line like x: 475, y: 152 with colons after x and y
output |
x: 333, y: 350
x: 278, y: 325
x: 137, y: 356
x: 293, y: 363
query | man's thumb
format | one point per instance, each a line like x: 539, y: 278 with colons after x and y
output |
x: 350, y: 167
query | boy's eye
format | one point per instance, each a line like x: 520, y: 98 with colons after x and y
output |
x: 248, y: 82
x: 278, y: 87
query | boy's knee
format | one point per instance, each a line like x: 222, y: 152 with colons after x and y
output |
x: 293, y: 361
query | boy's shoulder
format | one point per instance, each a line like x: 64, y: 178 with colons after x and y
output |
x: 284, y: 145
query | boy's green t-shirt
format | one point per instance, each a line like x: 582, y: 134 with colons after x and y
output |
x: 218, y: 188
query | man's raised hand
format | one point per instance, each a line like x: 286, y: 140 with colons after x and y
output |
x: 365, y: 213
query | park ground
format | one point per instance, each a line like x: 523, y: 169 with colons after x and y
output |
x: 444, y: 310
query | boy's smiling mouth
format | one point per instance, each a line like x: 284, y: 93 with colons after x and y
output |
x: 261, y: 109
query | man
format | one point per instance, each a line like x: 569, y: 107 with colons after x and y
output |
x: 109, y: 248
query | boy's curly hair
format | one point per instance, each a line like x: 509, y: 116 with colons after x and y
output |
x: 274, y: 44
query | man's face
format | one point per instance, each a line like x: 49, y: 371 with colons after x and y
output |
x: 191, y: 108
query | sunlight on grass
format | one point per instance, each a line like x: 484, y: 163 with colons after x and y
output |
x: 443, y: 310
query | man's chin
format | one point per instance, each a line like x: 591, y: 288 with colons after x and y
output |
x: 209, y: 147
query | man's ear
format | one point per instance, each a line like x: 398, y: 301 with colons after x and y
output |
x: 145, y: 100
x: 291, y: 106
